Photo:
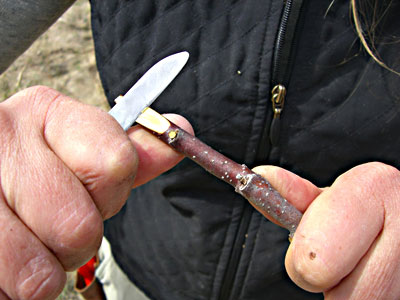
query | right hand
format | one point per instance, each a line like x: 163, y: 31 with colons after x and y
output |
x: 64, y: 168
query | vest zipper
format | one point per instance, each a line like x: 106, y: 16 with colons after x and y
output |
x: 282, y: 65
x: 234, y: 258
x: 278, y: 95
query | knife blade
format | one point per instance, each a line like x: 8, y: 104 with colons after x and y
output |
x: 147, y: 89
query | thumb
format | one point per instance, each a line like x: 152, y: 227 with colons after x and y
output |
x: 298, y: 191
x: 155, y: 157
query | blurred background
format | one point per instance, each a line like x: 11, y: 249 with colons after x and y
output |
x: 62, y: 58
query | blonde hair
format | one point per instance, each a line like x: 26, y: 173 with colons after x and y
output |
x: 362, y: 34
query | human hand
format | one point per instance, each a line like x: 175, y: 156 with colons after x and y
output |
x: 64, y: 168
x: 347, y: 244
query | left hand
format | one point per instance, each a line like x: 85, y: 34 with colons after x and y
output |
x: 347, y: 244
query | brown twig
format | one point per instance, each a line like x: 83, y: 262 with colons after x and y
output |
x: 257, y: 190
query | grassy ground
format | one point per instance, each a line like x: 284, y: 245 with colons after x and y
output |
x: 63, y: 58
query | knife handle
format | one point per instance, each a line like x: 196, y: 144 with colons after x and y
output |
x: 257, y: 190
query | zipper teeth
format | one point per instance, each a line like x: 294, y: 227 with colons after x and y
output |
x: 234, y: 259
x: 236, y: 253
x: 280, y: 41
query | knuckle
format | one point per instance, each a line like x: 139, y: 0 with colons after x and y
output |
x: 35, y: 94
x: 31, y: 97
x: 40, y: 278
x: 385, y: 180
x: 118, y: 178
x: 32, y: 105
x: 381, y: 177
x: 379, y: 170
x: 38, y: 90
x: 115, y: 160
x: 372, y: 174
x: 383, y: 169
x: 122, y: 162
x: 113, y: 177
x: 117, y: 169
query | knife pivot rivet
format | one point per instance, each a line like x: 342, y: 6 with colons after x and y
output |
x: 172, y: 134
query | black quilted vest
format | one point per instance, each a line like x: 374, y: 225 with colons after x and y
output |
x: 185, y: 235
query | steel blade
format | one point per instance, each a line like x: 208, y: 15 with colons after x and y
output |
x: 147, y: 89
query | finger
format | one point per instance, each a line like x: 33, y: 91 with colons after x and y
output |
x: 28, y: 269
x: 337, y: 229
x: 376, y: 276
x: 53, y: 203
x: 45, y: 194
x: 92, y: 145
x: 298, y: 191
x: 155, y: 157
x: 378, y: 273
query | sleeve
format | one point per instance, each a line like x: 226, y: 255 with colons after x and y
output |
x: 22, y: 22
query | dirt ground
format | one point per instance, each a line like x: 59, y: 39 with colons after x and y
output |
x: 62, y: 58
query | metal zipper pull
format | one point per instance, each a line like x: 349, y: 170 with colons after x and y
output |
x: 278, y: 101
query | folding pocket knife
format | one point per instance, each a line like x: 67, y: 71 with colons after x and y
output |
x: 134, y: 107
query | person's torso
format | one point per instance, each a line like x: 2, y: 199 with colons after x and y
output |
x: 186, y: 235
